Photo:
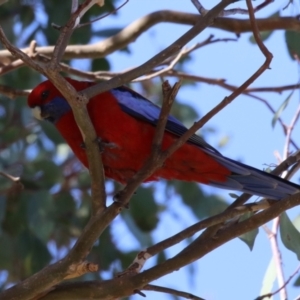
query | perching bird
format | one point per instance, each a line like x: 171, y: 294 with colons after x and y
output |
x: 127, y: 120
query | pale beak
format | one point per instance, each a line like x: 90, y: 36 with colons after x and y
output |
x: 37, y: 113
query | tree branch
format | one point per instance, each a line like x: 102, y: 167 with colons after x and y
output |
x: 135, y: 29
x: 161, y: 289
x: 53, y: 274
x: 210, y: 232
x: 127, y: 284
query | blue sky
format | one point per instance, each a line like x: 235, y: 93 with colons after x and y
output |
x: 232, y: 271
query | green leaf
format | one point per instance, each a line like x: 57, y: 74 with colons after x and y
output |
x: 297, y: 281
x: 63, y: 206
x: 233, y: 195
x: 105, y: 252
x: 15, y: 216
x: 52, y: 133
x: 107, y: 32
x: 144, y: 238
x: 127, y: 258
x: 290, y: 236
x: 38, y: 209
x: 264, y: 34
x: 161, y: 257
x: 27, y: 15
x: 292, y: 39
x: 8, y: 108
x: 83, y: 35
x: 100, y: 64
x: 33, y: 251
x: 223, y: 141
x: 10, y: 134
x: 201, y: 205
x: 6, y: 252
x: 2, y: 208
x: 144, y: 209
x: 281, y: 108
x: 84, y: 180
x: 249, y: 237
x: 68, y: 219
x: 48, y: 172
x: 269, y: 279
x: 184, y: 112
x: 296, y: 222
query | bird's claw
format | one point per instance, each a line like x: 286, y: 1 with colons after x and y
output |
x: 101, y: 145
x: 117, y: 199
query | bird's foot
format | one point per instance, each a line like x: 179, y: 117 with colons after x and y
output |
x: 117, y: 199
x: 82, y: 145
x: 101, y: 145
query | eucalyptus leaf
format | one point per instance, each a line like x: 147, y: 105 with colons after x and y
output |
x: 269, y: 278
x: 249, y: 237
x: 292, y: 39
x: 282, y: 107
x: 290, y: 236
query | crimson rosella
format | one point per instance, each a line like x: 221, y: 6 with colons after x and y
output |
x: 127, y: 120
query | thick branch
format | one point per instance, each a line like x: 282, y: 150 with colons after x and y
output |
x: 126, y: 285
x: 134, y: 30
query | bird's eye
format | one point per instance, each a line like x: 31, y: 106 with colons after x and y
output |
x: 44, y: 95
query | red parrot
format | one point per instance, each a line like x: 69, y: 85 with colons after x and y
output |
x: 126, y: 120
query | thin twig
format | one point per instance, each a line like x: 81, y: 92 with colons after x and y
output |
x: 74, y: 6
x: 293, y: 170
x: 169, y: 94
x: 222, y: 83
x: 143, y: 256
x: 161, y: 289
x: 12, y: 93
x: 270, y: 295
x: 10, y: 177
x: 12, y: 66
x: 172, y: 61
x: 229, y: 12
x: 104, y: 16
x: 277, y: 258
x: 199, y: 7
x: 289, y: 132
x: 275, y: 89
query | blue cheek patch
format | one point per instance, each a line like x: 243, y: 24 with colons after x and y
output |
x: 55, y: 109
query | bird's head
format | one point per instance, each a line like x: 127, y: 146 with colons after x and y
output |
x: 47, y: 103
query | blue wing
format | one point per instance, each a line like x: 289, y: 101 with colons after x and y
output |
x: 139, y: 107
x: 243, y: 177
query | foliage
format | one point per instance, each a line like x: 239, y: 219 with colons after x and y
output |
x: 42, y: 219
x: 45, y: 212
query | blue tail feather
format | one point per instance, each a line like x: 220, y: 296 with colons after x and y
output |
x: 253, y: 181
